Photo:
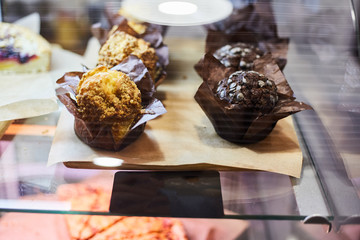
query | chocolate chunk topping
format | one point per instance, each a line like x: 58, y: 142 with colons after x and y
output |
x: 251, y: 90
x: 239, y: 55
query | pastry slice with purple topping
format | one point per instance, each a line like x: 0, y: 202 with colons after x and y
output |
x: 22, y: 51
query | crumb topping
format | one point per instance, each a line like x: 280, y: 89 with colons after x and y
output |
x: 120, y: 45
x: 107, y: 95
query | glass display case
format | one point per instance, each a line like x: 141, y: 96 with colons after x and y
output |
x: 322, y: 69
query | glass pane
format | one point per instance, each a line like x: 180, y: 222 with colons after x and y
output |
x: 322, y: 68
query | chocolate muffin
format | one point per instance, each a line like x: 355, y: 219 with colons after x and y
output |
x: 244, y: 106
x: 254, y: 25
x: 239, y: 55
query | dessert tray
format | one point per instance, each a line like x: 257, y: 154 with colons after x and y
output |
x: 183, y: 138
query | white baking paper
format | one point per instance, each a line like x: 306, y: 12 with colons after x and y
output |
x: 23, y: 96
x: 183, y: 138
x: 30, y: 95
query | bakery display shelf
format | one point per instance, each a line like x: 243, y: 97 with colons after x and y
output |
x: 26, y: 179
x: 28, y: 185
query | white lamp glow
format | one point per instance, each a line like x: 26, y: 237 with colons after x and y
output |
x: 35, y: 205
x: 108, y: 161
x: 177, y: 8
x: 178, y: 13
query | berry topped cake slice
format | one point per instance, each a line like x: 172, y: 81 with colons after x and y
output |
x: 22, y: 51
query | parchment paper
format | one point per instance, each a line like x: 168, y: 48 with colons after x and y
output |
x: 27, y: 95
x: 30, y: 95
x: 183, y: 138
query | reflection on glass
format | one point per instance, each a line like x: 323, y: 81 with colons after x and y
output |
x: 107, y: 162
x: 177, y: 8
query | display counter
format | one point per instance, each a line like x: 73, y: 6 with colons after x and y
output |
x: 322, y: 69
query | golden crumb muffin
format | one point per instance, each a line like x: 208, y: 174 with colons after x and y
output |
x: 110, y: 107
x: 110, y: 97
x: 120, y: 45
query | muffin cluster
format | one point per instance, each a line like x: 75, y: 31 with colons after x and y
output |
x: 113, y: 102
x: 244, y: 92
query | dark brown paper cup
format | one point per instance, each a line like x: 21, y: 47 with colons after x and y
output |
x: 234, y: 123
x: 254, y: 24
x: 99, y: 134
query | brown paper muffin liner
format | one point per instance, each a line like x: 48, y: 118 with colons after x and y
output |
x: 152, y: 35
x: 229, y: 120
x: 254, y: 24
x: 100, y: 135
x: 116, y: 17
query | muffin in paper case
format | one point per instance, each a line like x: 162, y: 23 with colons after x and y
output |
x: 102, y: 134
x: 234, y: 118
x: 253, y: 25
x: 152, y: 34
